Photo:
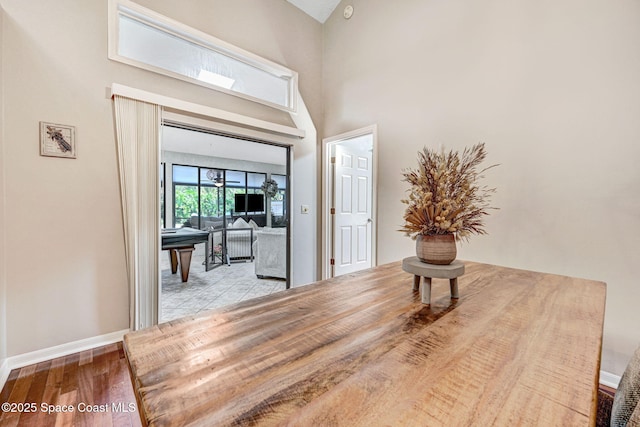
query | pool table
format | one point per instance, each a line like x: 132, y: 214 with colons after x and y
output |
x: 181, y: 242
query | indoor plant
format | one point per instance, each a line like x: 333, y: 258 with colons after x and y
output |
x: 446, y: 201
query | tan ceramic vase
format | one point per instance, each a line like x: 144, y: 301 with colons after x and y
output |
x: 436, y: 249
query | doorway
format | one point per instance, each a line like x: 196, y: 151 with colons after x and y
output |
x: 349, y: 202
x: 237, y: 191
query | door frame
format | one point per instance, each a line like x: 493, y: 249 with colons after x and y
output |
x: 328, y: 190
x: 144, y: 304
x: 187, y: 122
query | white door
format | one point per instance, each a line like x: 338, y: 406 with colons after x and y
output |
x: 353, y: 205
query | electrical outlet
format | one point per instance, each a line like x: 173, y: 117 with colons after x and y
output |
x: 304, y: 209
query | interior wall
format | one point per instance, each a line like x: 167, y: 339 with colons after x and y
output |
x: 3, y: 280
x: 66, y: 272
x: 552, y: 88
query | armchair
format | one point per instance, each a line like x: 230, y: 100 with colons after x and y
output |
x: 270, y: 251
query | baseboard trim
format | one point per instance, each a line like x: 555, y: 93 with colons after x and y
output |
x: 609, y: 379
x: 22, y: 360
x: 4, y: 372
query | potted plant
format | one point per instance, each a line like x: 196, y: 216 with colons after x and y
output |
x: 446, y: 202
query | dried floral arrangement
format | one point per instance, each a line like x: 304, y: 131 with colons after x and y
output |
x: 445, y: 196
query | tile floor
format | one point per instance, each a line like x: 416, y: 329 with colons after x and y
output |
x: 215, y: 288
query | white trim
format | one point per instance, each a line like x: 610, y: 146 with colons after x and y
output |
x: 216, y: 113
x: 326, y: 190
x: 609, y: 379
x: 302, y: 120
x: 227, y: 129
x: 4, y: 372
x: 194, y: 36
x: 22, y: 360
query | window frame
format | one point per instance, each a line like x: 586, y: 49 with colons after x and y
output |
x: 191, y: 35
x: 225, y: 188
x: 281, y: 191
x: 163, y: 195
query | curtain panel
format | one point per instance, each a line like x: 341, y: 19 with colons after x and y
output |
x: 138, y: 145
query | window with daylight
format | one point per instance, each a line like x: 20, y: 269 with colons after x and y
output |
x: 208, y: 198
x: 279, y: 202
x: 185, y: 195
x: 148, y: 40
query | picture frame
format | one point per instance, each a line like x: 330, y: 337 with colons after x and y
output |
x: 57, y: 140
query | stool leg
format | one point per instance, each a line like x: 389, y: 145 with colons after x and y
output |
x: 453, y: 284
x: 416, y: 282
x: 426, y: 290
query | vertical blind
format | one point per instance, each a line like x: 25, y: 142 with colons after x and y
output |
x: 138, y: 145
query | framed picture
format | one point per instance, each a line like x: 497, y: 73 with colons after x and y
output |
x: 57, y: 140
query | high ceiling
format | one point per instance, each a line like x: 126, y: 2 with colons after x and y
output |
x: 320, y: 10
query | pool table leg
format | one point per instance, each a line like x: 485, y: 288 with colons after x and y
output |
x: 185, y: 262
x: 173, y: 258
x: 184, y: 255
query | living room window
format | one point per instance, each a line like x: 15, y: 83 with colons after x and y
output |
x: 211, y: 196
x: 241, y: 188
x: 145, y: 39
x: 204, y: 198
x: 279, y: 201
x: 236, y: 183
x: 186, y: 200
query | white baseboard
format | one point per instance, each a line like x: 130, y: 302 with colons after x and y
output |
x: 4, y: 372
x: 22, y: 360
x: 609, y: 379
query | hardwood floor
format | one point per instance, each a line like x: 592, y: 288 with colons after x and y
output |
x: 95, y: 377
x: 96, y: 383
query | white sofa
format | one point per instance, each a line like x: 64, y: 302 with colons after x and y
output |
x: 270, y: 252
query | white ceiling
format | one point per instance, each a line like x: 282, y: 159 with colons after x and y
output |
x: 204, y: 144
x: 320, y: 10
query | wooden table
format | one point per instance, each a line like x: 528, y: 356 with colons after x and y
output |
x: 517, y: 348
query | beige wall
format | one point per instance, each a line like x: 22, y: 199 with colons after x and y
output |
x: 3, y: 282
x: 65, y: 272
x: 553, y: 90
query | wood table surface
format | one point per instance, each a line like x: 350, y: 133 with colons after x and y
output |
x: 517, y: 348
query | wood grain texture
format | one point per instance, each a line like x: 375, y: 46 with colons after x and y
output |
x: 517, y: 348
x: 93, y: 377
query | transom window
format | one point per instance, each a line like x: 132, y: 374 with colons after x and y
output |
x: 148, y: 40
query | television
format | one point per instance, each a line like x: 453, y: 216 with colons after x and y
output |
x: 249, y: 203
